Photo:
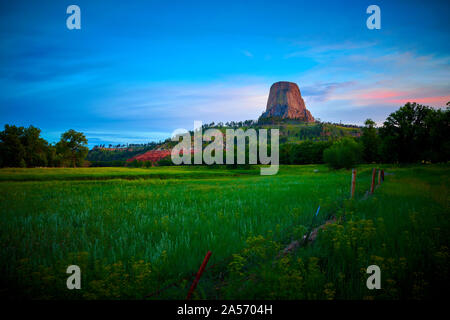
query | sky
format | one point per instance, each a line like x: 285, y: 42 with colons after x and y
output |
x: 138, y: 70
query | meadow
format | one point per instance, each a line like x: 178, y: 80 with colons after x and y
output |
x: 136, y: 231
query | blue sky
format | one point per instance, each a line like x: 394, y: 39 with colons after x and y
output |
x: 137, y: 70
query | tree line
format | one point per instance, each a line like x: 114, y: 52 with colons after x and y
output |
x: 97, y: 155
x: 414, y: 133
x: 24, y: 147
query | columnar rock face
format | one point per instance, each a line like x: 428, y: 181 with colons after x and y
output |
x: 285, y: 101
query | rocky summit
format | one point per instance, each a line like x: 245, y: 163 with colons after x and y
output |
x: 285, y: 101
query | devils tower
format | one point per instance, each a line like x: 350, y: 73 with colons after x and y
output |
x: 285, y: 101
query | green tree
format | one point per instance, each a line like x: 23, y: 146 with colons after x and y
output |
x: 72, y: 147
x: 344, y: 153
x: 12, y: 151
x: 406, y: 133
x: 438, y: 145
x: 36, y: 148
x: 370, y: 142
x: 308, y: 152
x: 285, y: 153
x: 23, y: 147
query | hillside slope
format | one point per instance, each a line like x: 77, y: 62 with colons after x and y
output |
x: 291, y: 131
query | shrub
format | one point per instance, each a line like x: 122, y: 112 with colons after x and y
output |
x: 309, y: 152
x: 167, y: 161
x: 306, y: 152
x: 344, y: 153
x: 147, y: 164
x: 135, y: 164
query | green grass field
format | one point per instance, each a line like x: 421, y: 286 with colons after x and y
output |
x: 52, y: 174
x: 134, y: 231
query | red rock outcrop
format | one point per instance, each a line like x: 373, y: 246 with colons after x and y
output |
x: 152, y: 155
x: 285, y: 101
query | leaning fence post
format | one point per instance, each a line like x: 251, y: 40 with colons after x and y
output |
x: 373, y: 180
x: 199, y: 274
x: 352, y: 193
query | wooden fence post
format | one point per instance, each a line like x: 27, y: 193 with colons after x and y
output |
x: 379, y: 177
x: 382, y: 175
x: 372, y: 186
x: 352, y: 192
x: 199, y: 274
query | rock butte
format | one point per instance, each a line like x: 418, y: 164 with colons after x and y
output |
x: 285, y: 101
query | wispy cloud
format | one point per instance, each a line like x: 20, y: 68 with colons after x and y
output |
x: 372, y: 83
x: 184, y: 103
x: 385, y: 83
x: 320, y: 92
x: 247, y: 53
x: 125, y: 136
x: 317, y: 50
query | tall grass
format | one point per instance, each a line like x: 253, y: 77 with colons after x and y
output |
x: 132, y: 237
x: 403, y: 228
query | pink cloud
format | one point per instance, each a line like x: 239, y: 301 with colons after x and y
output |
x: 380, y: 94
x: 398, y: 97
x: 438, y: 101
x: 394, y: 97
x: 368, y: 96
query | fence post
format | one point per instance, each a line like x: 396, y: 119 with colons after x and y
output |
x: 199, y: 274
x: 379, y: 177
x: 352, y: 192
x: 373, y: 180
x: 382, y: 175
